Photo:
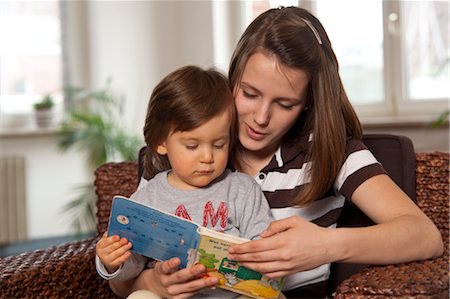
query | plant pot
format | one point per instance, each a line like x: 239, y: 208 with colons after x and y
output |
x: 44, y: 118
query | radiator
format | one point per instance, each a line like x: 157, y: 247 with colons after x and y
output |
x: 13, y: 226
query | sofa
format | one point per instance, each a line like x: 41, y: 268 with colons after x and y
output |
x: 68, y: 270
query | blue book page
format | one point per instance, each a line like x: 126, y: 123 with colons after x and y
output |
x: 153, y: 233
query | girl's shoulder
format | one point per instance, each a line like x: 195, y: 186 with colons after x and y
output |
x: 354, y: 145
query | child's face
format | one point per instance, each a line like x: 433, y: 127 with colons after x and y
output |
x: 198, y: 156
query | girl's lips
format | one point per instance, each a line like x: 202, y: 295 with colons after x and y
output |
x: 253, y: 134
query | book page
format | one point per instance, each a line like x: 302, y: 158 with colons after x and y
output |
x: 212, y: 253
x: 153, y: 233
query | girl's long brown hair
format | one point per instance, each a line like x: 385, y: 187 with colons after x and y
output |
x: 330, y: 117
x: 182, y: 101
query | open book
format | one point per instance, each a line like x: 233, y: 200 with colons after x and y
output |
x: 161, y: 236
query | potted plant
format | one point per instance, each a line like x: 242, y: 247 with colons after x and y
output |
x: 93, y: 124
x: 43, y: 111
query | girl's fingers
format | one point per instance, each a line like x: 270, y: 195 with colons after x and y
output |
x: 185, y: 290
x: 262, y: 250
x: 278, y: 226
x: 182, y: 283
x: 265, y: 256
x: 270, y: 268
x: 170, y: 269
x: 167, y: 267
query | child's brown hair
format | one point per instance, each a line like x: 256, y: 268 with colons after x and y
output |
x: 182, y: 101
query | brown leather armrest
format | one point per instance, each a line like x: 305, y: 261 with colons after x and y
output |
x: 62, y: 271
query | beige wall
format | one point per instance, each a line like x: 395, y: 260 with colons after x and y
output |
x: 134, y: 45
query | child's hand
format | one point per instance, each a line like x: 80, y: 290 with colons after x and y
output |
x: 113, y: 251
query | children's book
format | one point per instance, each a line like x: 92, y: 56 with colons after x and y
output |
x: 161, y: 236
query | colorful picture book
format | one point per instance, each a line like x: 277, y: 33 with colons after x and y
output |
x: 161, y: 236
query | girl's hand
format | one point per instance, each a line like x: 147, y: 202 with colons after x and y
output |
x: 287, y: 246
x: 113, y: 251
x: 169, y: 282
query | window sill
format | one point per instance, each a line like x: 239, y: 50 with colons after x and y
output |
x: 24, y: 125
x: 399, y: 122
x: 28, y: 132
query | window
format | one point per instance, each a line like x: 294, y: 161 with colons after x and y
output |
x: 357, y: 40
x: 393, y: 55
x: 31, y: 54
x: 426, y: 40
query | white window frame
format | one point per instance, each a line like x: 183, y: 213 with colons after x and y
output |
x: 22, y: 119
x: 396, y: 107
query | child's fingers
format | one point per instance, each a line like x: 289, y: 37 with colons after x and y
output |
x: 118, y: 250
x: 123, y: 241
x: 108, y: 241
x: 121, y: 259
x: 118, y: 245
x: 117, y: 257
x: 108, y: 245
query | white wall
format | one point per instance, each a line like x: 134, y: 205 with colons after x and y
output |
x: 135, y: 43
x: 51, y: 177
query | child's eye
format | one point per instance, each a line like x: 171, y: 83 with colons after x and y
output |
x: 219, y: 145
x: 192, y: 147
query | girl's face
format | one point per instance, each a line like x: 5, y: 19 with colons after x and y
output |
x: 269, y: 99
x: 199, y: 156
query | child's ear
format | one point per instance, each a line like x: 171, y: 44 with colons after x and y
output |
x: 161, y: 149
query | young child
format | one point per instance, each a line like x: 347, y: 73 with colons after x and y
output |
x: 189, y: 131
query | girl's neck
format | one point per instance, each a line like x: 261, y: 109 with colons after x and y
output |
x: 252, y: 163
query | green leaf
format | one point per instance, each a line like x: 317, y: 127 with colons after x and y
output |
x: 93, y: 126
x: 440, y: 120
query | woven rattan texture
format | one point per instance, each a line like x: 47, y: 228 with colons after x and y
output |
x: 428, y: 279
x: 68, y: 270
x: 65, y: 271
x: 113, y: 179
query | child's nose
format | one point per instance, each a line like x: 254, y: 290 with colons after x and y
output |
x: 207, y: 155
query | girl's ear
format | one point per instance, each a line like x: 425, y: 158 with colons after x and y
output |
x: 161, y: 149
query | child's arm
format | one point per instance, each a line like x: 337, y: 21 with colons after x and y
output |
x: 113, y: 251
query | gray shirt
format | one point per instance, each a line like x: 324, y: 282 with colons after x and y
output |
x: 233, y: 203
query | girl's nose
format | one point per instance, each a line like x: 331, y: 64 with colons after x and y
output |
x: 261, y: 116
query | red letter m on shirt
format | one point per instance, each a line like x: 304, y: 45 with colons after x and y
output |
x: 221, y: 215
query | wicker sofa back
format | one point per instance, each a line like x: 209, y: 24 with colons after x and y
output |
x: 68, y: 270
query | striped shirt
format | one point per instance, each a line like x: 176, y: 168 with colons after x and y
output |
x: 283, y: 178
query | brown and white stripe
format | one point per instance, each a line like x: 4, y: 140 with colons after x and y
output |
x: 284, y: 177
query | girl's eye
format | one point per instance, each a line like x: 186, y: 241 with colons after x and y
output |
x: 286, y: 106
x: 248, y: 95
x: 219, y: 145
x: 192, y: 147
